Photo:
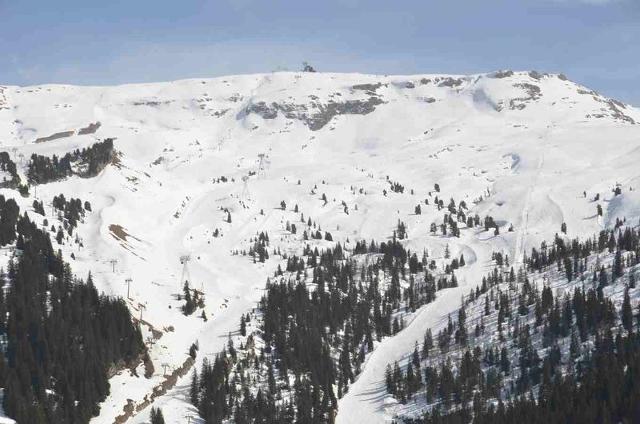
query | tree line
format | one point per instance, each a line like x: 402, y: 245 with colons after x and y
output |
x: 510, y: 361
x: 61, y: 339
x: 87, y: 163
x: 313, y: 327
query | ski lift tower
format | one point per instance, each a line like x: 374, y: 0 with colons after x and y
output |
x: 261, y: 164
x: 113, y: 261
x: 186, y: 275
x: 245, y: 187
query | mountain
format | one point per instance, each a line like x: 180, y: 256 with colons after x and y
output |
x: 201, y: 180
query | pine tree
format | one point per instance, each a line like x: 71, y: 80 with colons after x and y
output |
x: 410, y: 381
x: 156, y: 416
x: 243, y: 326
x: 505, y: 364
x: 415, y: 359
x: 427, y: 344
x: 389, y: 381
x: 627, y: 312
x: 617, y: 266
x: 574, y: 346
x: 461, y: 333
x: 194, y: 389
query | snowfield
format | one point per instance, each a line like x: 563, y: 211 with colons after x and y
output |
x: 530, y: 150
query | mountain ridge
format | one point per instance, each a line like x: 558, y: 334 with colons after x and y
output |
x: 202, y: 167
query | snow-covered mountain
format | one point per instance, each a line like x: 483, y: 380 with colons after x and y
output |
x: 203, y: 165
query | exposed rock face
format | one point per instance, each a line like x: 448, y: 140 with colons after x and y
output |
x: 587, y: 92
x: 3, y: 99
x: 614, y: 107
x: 533, y: 93
x: 316, y: 112
x: 319, y: 115
x: 370, y: 89
x: 535, y: 75
x: 264, y: 110
x: 56, y: 136
x: 451, y: 82
x: 89, y: 129
x: 502, y: 74
x: 152, y: 103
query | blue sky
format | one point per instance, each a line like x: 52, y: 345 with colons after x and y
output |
x: 594, y: 42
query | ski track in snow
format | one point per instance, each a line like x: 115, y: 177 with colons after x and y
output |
x: 522, y: 234
x: 367, y: 401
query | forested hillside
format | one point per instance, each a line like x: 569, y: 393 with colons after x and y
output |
x: 558, y: 341
x: 61, y: 339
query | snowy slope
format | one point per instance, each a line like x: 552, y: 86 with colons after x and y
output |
x: 527, y: 144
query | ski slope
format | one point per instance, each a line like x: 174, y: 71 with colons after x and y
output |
x: 521, y: 147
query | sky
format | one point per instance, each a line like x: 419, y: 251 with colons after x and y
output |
x: 593, y: 42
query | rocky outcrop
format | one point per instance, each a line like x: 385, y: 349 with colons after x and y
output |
x: 502, y: 74
x: 132, y: 408
x: 89, y: 129
x: 532, y: 91
x: 315, y: 115
x: 450, y: 82
x: 55, y: 136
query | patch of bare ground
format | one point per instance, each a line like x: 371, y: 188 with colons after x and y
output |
x: 119, y: 233
x: 56, y: 136
x: 132, y: 408
x: 89, y: 129
x: 157, y: 334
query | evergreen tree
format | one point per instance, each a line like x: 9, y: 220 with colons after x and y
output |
x: 194, y: 389
x: 156, y: 416
x: 627, y: 313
